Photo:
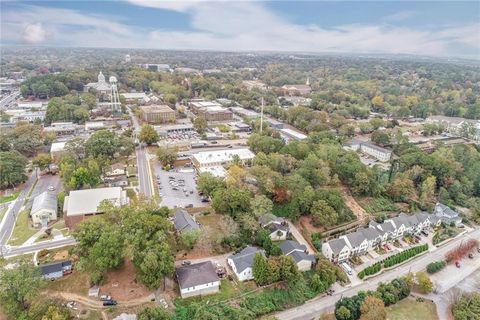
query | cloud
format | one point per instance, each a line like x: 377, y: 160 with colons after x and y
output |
x: 232, y: 26
x: 400, y: 16
x: 34, y: 33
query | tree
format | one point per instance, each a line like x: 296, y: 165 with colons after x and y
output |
x: 19, y: 289
x: 125, y: 146
x: 288, y: 269
x: 323, y: 214
x: 424, y: 283
x: 373, y: 308
x: 200, y: 125
x: 167, y: 156
x: 55, y: 312
x: 343, y: 313
x: 261, y: 205
x: 235, y: 176
x: 82, y: 177
x: 148, y: 134
x: 208, y: 184
x: 260, y: 269
x: 380, y: 137
x: 189, y: 238
x: 12, y: 168
x: 377, y: 103
x: 154, y: 263
x: 376, y: 123
x: 107, y: 252
x: 102, y: 143
x: 467, y: 307
x: 231, y: 201
x: 156, y: 313
x: 26, y: 138
x: 42, y: 161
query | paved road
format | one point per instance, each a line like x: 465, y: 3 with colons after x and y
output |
x: 7, y: 101
x: 15, y: 251
x: 8, y: 222
x: 323, y: 304
x: 144, y: 176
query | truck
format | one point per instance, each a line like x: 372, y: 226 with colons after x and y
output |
x: 347, y: 268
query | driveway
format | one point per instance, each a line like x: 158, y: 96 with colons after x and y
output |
x: 299, y: 237
x: 220, y: 259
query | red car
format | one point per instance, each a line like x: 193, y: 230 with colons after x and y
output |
x: 457, y: 264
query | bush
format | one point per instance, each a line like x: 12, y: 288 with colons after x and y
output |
x: 317, y: 241
x: 436, y: 266
x: 374, y: 268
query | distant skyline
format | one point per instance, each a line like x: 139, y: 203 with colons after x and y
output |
x: 432, y: 28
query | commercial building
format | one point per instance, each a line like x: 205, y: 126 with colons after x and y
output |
x: 133, y: 97
x: 165, y: 130
x: 247, y: 113
x: 44, y: 209
x: 24, y: 115
x: 158, y: 114
x: 457, y: 126
x: 82, y: 204
x: 289, y: 134
x: 222, y: 157
x: 102, y: 87
x: 274, y: 123
x: 197, y: 279
x: 379, y: 153
x: 31, y: 105
x: 209, y: 110
x: 62, y: 128
x: 94, y: 125
x: 57, y: 149
x: 242, y: 262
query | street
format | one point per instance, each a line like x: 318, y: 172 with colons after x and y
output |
x: 52, y: 244
x: 326, y: 304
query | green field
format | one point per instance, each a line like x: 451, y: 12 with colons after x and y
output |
x: 411, y: 309
x: 22, y: 230
x: 8, y: 198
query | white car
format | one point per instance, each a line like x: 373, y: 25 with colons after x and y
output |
x: 51, y: 188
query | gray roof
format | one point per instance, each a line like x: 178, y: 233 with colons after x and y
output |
x: 378, y: 148
x: 54, y: 266
x: 387, y: 226
x: 355, y: 238
x: 244, y: 259
x: 275, y: 227
x: 267, y: 218
x: 288, y: 246
x: 184, y: 221
x: 45, y: 200
x: 337, y: 245
x: 196, y: 274
x: 370, y: 233
x: 300, y: 256
x: 441, y: 209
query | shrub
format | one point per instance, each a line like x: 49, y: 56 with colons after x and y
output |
x: 436, y: 266
x: 317, y: 241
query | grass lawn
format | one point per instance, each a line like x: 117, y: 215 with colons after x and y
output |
x: 8, y: 198
x: 405, y: 309
x: 28, y: 258
x: 2, y: 213
x: 77, y: 282
x: 22, y: 230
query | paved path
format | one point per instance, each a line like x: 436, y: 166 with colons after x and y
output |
x: 299, y: 237
x: 323, y: 304
x: 49, y: 244
x: 220, y: 259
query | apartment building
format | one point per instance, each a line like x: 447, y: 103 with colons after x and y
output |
x: 158, y: 114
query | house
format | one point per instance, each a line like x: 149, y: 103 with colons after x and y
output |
x: 242, y: 262
x: 183, y: 221
x: 57, y: 150
x: 299, y: 254
x: 197, y: 279
x: 44, y: 209
x: 447, y: 215
x: 82, y: 204
x: 336, y: 250
x: 379, y: 153
x: 55, y: 270
x: 277, y: 226
x: 117, y: 181
x: 116, y: 169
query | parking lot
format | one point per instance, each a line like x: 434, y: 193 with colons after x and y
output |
x: 178, y: 187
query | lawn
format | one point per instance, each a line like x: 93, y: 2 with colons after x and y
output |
x: 8, y: 198
x: 22, y: 230
x: 404, y: 310
x: 2, y: 212
x: 77, y: 282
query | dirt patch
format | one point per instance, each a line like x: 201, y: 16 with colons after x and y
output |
x: 352, y: 203
x: 61, y: 255
x: 121, y: 284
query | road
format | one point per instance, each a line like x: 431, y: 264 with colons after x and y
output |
x: 325, y: 304
x: 143, y: 166
x: 8, y: 222
x: 52, y: 244
x: 7, y: 101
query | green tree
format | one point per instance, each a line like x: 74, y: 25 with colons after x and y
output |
x: 261, y: 205
x: 189, y: 238
x: 154, y: 263
x: 424, y: 283
x: 380, y: 137
x: 167, y: 156
x: 231, y: 201
x: 343, y: 313
x: 148, y: 134
x: 323, y: 214
x: 82, y: 177
x: 26, y: 138
x: 200, y: 125
x: 260, y: 269
x: 102, y: 143
x: 156, y: 313
x: 208, y: 184
x: 107, y: 252
x: 55, y: 312
x: 376, y: 123
x: 12, y: 168
x: 42, y: 161
x: 19, y: 289
x: 288, y: 269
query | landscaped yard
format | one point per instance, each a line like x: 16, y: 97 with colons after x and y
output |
x: 8, y: 198
x: 444, y: 233
x: 22, y: 230
x: 409, y: 308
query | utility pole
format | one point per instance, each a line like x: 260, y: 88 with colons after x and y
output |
x: 261, y: 118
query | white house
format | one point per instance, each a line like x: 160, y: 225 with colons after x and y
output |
x: 44, y: 209
x: 336, y: 250
x: 447, y: 215
x: 242, y: 262
x: 379, y: 153
x: 198, y: 279
x: 277, y: 226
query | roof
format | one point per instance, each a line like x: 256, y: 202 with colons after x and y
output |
x: 184, y: 221
x: 275, y: 227
x: 196, y: 274
x: 54, y: 266
x: 81, y: 202
x: 57, y: 147
x: 267, y: 218
x: 244, y: 259
x: 288, y: 246
x: 337, y: 245
x: 294, y: 134
x: 300, y: 256
x: 156, y: 108
x: 373, y: 146
x: 133, y: 95
x: 370, y: 233
x: 224, y: 155
x: 44, y: 201
x: 441, y: 209
x: 355, y: 238
x: 216, y: 171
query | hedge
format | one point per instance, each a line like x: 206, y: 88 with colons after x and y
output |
x: 436, y: 266
x: 393, y: 260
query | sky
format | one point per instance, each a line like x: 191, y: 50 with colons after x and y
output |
x: 432, y: 28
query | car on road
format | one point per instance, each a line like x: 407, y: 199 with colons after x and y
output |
x: 470, y: 255
x: 51, y: 188
x: 174, y: 188
x: 110, y: 303
x: 186, y: 263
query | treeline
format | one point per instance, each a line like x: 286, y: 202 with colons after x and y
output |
x: 53, y: 85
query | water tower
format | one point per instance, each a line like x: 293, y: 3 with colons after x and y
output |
x: 115, y: 99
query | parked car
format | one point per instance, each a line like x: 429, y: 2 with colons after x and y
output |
x: 425, y: 233
x: 186, y: 263
x: 51, y: 188
x: 457, y: 264
x: 478, y: 249
x: 110, y: 303
x: 470, y: 255
x: 105, y: 297
x: 189, y: 206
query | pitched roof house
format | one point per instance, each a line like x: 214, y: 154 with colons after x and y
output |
x: 44, y: 209
x: 183, y: 221
x: 299, y: 254
x: 55, y: 270
x: 197, y: 279
x: 242, y: 262
x: 447, y: 215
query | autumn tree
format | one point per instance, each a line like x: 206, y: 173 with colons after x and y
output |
x: 373, y: 308
x: 200, y: 125
x: 148, y: 134
x: 424, y: 283
x: 167, y: 156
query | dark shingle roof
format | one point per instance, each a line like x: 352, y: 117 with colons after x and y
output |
x: 184, y: 221
x: 445, y: 211
x: 337, y: 245
x: 54, y: 266
x: 300, y: 256
x: 244, y: 259
x: 289, y: 246
x: 355, y: 238
x: 267, y: 218
x: 196, y: 274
